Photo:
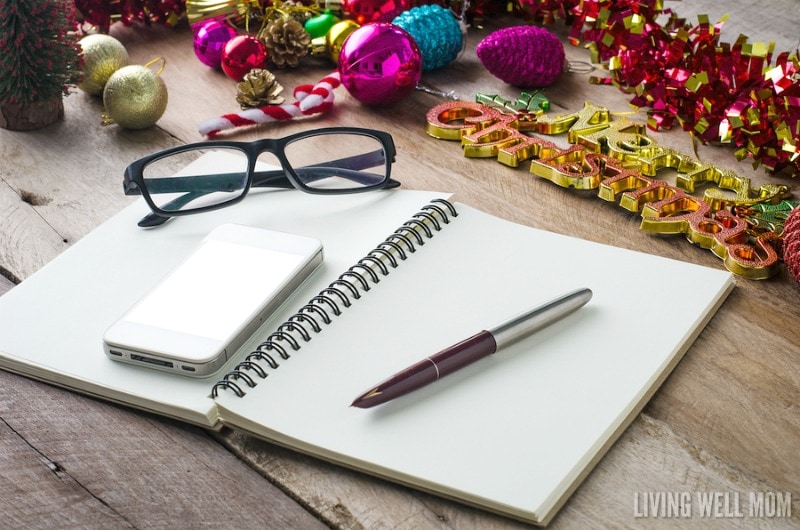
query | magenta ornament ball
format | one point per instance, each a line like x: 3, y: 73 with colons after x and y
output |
x: 242, y: 54
x: 210, y: 39
x: 380, y: 64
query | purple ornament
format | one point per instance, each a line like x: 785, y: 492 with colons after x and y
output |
x: 380, y: 64
x: 210, y: 38
x: 523, y: 56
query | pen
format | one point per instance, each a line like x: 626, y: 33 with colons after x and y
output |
x: 470, y: 350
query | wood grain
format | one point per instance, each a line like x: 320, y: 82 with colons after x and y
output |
x: 71, y: 461
x: 726, y: 420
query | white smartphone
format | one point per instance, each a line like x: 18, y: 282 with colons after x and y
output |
x: 210, y: 304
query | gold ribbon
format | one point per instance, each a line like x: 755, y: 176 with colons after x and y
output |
x: 200, y: 10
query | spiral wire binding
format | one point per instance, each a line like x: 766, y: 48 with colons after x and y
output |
x: 340, y: 293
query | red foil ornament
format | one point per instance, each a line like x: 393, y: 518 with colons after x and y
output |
x: 103, y: 13
x: 523, y: 56
x: 242, y: 54
x: 791, y: 243
x: 365, y: 11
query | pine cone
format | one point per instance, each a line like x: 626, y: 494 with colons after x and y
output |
x: 297, y: 10
x: 286, y: 41
x: 258, y: 89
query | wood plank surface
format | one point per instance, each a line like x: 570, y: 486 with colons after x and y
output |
x: 68, y: 461
x: 725, y: 421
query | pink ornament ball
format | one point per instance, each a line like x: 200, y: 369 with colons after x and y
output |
x: 210, y: 39
x: 380, y: 64
x: 523, y: 56
x: 242, y: 54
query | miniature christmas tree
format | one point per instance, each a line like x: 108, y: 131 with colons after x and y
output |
x: 40, y: 59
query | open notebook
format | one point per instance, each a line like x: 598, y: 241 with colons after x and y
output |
x: 514, y: 433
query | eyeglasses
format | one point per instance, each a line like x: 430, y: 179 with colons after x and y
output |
x: 336, y: 160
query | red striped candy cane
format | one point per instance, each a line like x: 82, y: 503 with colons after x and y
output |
x: 311, y: 99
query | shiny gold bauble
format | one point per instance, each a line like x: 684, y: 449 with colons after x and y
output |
x: 135, y: 97
x: 330, y: 45
x: 337, y: 35
x: 102, y: 56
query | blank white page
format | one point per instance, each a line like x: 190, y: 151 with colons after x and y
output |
x: 513, y: 432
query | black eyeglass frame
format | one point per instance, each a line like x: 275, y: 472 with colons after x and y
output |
x: 286, y: 177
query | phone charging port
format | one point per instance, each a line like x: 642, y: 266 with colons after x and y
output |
x: 151, y: 360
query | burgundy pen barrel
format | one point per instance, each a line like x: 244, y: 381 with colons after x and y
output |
x: 470, y: 350
x: 465, y: 352
x: 429, y: 370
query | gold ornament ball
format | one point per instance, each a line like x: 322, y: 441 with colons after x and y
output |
x: 337, y: 35
x: 330, y: 44
x: 135, y: 97
x: 102, y: 56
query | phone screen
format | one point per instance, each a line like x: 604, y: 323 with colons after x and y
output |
x: 216, y: 289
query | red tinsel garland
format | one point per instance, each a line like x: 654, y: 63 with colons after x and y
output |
x: 721, y: 92
x: 103, y: 13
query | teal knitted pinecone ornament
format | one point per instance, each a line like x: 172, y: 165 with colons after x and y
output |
x: 437, y: 33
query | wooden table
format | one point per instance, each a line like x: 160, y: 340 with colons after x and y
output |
x: 726, y: 420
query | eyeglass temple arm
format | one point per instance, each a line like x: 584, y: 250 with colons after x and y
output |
x: 204, y: 184
x: 197, y: 187
x: 271, y: 178
x: 350, y: 167
x: 153, y: 219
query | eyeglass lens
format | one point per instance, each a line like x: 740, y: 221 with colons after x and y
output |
x: 341, y: 161
x: 184, y: 181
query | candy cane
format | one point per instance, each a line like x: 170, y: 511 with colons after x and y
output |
x: 311, y: 99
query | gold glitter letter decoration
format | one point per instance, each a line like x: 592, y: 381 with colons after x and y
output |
x: 616, y: 158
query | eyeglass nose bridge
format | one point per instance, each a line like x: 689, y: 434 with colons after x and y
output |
x: 266, y: 145
x: 270, y: 146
